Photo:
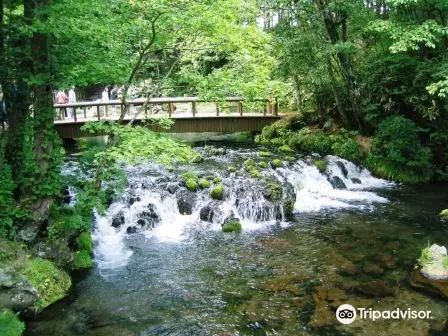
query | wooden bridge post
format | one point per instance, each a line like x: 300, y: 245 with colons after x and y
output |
x: 194, y: 108
x: 217, y: 110
x: 74, y: 114
x: 276, y: 107
x: 98, y: 112
x: 85, y: 112
x: 240, y: 108
x: 265, y: 109
x: 170, y: 109
x: 106, y: 110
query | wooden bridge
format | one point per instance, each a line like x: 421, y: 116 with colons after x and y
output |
x: 190, y: 114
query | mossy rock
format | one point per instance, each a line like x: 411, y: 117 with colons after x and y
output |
x: 249, y: 163
x: 290, y: 158
x: 232, y: 225
x: 253, y: 172
x: 444, y: 213
x: 264, y: 154
x: 321, y: 165
x: 217, y: 180
x: 204, y: 184
x: 286, y: 149
x: 82, y: 260
x: 198, y: 158
x: 192, y: 185
x: 189, y: 175
x: 273, y: 191
x: 217, y: 192
x: 231, y: 169
x: 52, y: 284
x: 288, y: 209
x: 10, y: 325
x: 262, y: 164
x: 276, y: 163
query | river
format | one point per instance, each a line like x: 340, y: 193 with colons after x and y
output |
x: 175, y: 274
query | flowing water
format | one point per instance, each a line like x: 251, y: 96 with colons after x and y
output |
x: 164, y: 267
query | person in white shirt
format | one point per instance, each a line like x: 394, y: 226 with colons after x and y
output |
x: 71, y: 99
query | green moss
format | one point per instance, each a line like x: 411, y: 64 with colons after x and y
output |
x: 321, y: 165
x: 444, y: 213
x: 425, y: 257
x: 82, y: 260
x: 290, y: 158
x: 232, y: 225
x: 262, y: 164
x: 217, y: 180
x: 217, y: 192
x: 264, y: 154
x: 197, y: 159
x: 445, y: 262
x: 189, y: 175
x: 249, y: 163
x: 10, y: 325
x: 274, y: 191
x: 285, y: 149
x: 253, y: 172
x: 204, y: 184
x: 51, y: 283
x: 84, y: 242
x: 192, y: 185
x: 276, y: 163
x: 231, y: 169
x: 288, y: 208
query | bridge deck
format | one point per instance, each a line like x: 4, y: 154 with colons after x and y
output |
x: 190, y: 114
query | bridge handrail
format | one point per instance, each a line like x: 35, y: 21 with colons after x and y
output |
x: 161, y: 100
x: 271, y: 106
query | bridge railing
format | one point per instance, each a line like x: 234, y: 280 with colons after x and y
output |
x: 109, y: 110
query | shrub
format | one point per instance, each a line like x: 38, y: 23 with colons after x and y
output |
x: 398, y: 154
x: 85, y: 242
x: 321, y: 165
x: 276, y: 163
x: 348, y: 149
x: 10, y: 325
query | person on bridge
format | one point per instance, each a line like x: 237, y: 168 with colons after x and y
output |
x: 71, y: 99
x: 61, y: 98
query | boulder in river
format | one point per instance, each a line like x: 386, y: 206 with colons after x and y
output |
x: 231, y: 225
x: 434, y: 287
x: 118, y: 220
x: 16, y: 293
x: 434, y: 262
x: 172, y: 187
x: 185, y: 201
x: 341, y: 166
x: 356, y: 180
x: 337, y: 183
x: 376, y: 288
x: 210, y: 211
x: 217, y: 192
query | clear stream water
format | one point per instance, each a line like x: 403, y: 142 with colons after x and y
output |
x: 179, y: 275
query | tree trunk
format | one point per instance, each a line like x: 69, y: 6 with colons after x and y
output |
x: 345, y: 64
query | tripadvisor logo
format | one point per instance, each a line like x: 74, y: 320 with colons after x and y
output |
x: 346, y: 314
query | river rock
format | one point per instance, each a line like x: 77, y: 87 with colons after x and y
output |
x: 134, y: 199
x: 118, y: 220
x: 210, y: 211
x: 434, y: 262
x: 131, y: 229
x: 150, y: 214
x: 337, y: 182
x: 172, y: 188
x: 376, y: 288
x: 372, y: 269
x: 66, y: 198
x: 185, y: 201
x: 16, y: 293
x: 421, y: 282
x: 341, y: 166
x: 356, y: 180
x: 387, y: 261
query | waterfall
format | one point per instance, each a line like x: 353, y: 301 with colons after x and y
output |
x: 157, y: 204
